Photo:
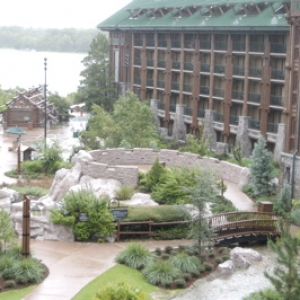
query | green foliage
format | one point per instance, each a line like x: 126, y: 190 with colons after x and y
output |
x: 195, y: 145
x: 161, y: 213
x: 236, y: 151
x: 168, y: 249
x: 208, y: 267
x: 284, y: 199
x: 218, y: 260
x: 160, y: 273
x: 179, y: 283
x: 7, y: 233
x: 31, y: 167
x: 31, y: 190
x: 248, y: 190
x: 267, y: 294
x: 100, y: 219
x: 135, y: 256
x: 61, y: 104
x: 285, y: 276
x: 153, y: 177
x: 125, y: 192
x: 185, y: 263
x: 223, y: 206
x: 261, y: 169
x: 119, y: 291
x: 174, y: 233
x: 97, y: 86
x: 30, y: 268
x: 6, y: 264
x: 9, y: 284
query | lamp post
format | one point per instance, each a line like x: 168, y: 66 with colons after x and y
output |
x: 45, y: 98
x: 19, y: 132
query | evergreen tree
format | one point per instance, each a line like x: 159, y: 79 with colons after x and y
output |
x: 285, y: 278
x: 261, y: 169
x: 284, y: 199
x: 97, y: 86
x: 154, y: 175
x: 6, y: 230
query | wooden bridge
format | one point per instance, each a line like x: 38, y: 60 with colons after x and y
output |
x: 243, y: 227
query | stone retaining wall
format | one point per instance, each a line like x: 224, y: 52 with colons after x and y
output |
x: 141, y: 156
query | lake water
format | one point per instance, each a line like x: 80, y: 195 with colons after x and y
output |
x: 26, y: 69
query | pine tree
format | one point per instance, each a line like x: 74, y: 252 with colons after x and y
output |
x: 261, y: 169
x: 285, y: 278
x: 285, y: 200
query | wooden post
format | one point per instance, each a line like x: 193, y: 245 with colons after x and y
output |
x: 26, y: 228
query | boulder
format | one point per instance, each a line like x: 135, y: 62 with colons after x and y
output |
x: 243, y: 257
x: 64, y: 179
x: 81, y: 155
x: 244, y: 177
x: 140, y: 199
x: 227, y: 268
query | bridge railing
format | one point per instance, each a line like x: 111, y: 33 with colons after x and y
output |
x: 220, y: 219
x: 250, y: 226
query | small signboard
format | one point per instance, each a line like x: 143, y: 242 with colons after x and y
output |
x: 119, y: 213
x: 83, y: 217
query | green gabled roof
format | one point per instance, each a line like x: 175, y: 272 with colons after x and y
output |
x: 137, y: 15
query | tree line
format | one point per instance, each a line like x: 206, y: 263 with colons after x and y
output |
x: 39, y: 39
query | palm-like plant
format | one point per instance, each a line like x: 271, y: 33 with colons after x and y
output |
x: 161, y: 272
x: 185, y: 263
x: 135, y: 256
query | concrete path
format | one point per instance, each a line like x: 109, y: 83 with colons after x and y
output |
x: 73, y: 265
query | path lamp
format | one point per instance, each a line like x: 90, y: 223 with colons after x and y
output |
x: 18, y: 131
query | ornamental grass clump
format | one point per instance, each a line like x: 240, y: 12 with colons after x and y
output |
x: 124, y: 192
x: 135, y: 256
x: 185, y: 263
x: 161, y: 273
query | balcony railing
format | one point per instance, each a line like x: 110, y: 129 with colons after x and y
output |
x: 272, y: 127
x: 236, y: 94
x: 257, y: 47
x: 278, y: 48
x: 253, y: 97
x: 150, y: 82
x: 238, y: 46
x: 176, y: 65
x: 150, y: 42
x: 137, y: 61
x: 162, y: 43
x: 172, y: 107
x: 138, y: 42
x: 176, y: 44
x: 161, y: 64
x: 218, y: 92
x: 137, y: 80
x: 253, y: 72
x: 150, y: 62
x: 160, y: 84
x: 234, y: 120
x: 219, y: 69
x: 175, y: 86
x: 221, y: 46
x: 189, y: 44
x: 187, y: 87
x: 276, y: 100
x: 188, y: 66
x: 204, y: 90
x: 254, y: 124
x: 161, y: 105
x: 239, y: 71
x: 218, y: 117
x: 188, y: 111
x: 205, y: 68
x: 201, y: 113
x: 277, y: 74
x: 205, y: 45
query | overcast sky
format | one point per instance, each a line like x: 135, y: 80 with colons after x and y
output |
x: 57, y: 13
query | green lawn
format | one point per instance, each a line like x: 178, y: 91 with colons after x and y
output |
x: 119, y: 273
x: 16, y: 294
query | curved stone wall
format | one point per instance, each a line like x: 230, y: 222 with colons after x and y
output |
x: 141, y: 156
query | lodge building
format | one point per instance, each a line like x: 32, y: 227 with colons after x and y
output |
x: 230, y: 68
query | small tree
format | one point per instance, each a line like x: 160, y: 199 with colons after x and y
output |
x: 261, y: 169
x: 285, y: 278
x: 284, y: 199
x: 203, y: 192
x: 6, y: 230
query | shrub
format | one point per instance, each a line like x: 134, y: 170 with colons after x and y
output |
x: 182, y: 247
x: 179, y: 231
x: 187, y: 276
x: 165, y: 256
x: 208, y: 267
x: 31, y: 190
x: 284, y: 199
x: 30, y: 268
x: 31, y: 167
x: 168, y: 249
x: 223, y: 250
x: 264, y: 295
x: 195, y: 274
x: 226, y: 257
x: 185, y: 263
x: 158, y: 251
x: 21, y: 279
x: 201, y: 269
x: 179, y: 283
x: 119, y: 291
x: 222, y: 207
x: 14, y: 252
x: 160, y: 273
x: 6, y: 264
x: 125, y: 192
x: 248, y: 190
x: 211, y: 253
x: 218, y: 260
x: 135, y: 256
x: 9, y: 284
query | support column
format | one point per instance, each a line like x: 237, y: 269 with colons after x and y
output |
x: 280, y: 140
x: 209, y: 131
x: 179, y: 129
x: 242, y: 136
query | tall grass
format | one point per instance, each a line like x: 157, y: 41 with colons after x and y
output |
x: 185, y: 263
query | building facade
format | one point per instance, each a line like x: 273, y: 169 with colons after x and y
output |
x: 229, y: 68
